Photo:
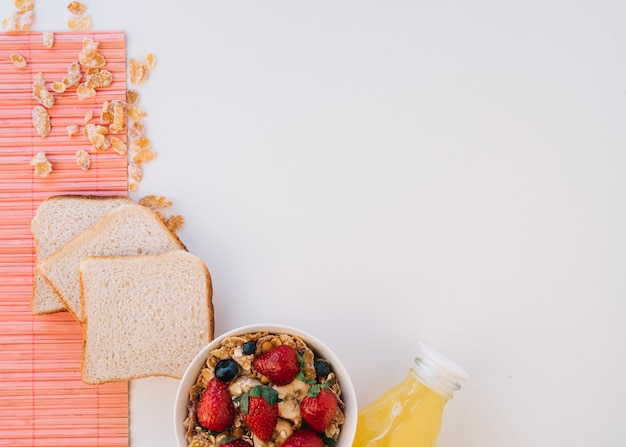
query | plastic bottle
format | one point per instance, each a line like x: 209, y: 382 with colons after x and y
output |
x: 410, y: 413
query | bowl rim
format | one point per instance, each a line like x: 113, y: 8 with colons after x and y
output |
x: 348, y: 429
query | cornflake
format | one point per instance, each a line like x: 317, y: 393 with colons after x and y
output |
x: 74, y: 75
x: 41, y: 121
x: 144, y: 155
x: 149, y: 61
x: 59, y: 87
x: 155, y: 202
x: 48, y: 39
x: 175, y: 222
x: 18, y: 60
x: 97, y: 78
x: 84, y: 92
x: 79, y: 22
x: 83, y: 159
x: 76, y: 8
x: 136, y: 130
x: 41, y: 164
x: 24, y: 5
x: 41, y: 93
x: 119, y: 117
x: 72, y: 129
x: 19, y: 20
x: 137, y: 71
x: 119, y: 146
x: 88, y: 116
x: 139, y: 144
x: 89, y: 55
x: 132, y: 97
x: 135, y: 172
x: 136, y: 114
x: 96, y: 136
x: 133, y: 187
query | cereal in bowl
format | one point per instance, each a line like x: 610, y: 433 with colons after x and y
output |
x: 264, y: 390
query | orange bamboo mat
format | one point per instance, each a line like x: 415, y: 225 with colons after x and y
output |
x: 43, y: 401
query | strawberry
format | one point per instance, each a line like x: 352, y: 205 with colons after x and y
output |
x: 280, y: 364
x: 233, y: 442
x: 216, y: 410
x: 319, y: 406
x: 303, y: 438
x: 259, y: 408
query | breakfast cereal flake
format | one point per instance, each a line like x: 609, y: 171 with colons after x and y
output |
x: 41, y: 121
x: 137, y: 71
x: 149, y: 61
x: 97, y: 78
x: 74, y: 75
x: 83, y: 91
x: 132, y: 97
x: 139, y: 144
x: 79, y: 22
x: 144, y: 155
x: 41, y: 164
x: 119, y: 146
x: 155, y: 202
x: 119, y: 117
x: 76, y: 8
x: 88, y: 116
x: 72, y: 129
x: 41, y: 93
x: 48, y: 39
x: 136, y: 130
x: 83, y: 159
x: 175, y: 222
x: 135, y: 172
x: 18, y: 60
x: 24, y: 5
x: 89, y: 56
x: 136, y: 114
x: 59, y: 87
x: 133, y: 186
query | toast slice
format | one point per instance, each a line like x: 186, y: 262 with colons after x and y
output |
x: 143, y: 315
x: 57, y: 220
x: 125, y: 231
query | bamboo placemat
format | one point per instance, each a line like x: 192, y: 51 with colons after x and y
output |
x: 43, y: 401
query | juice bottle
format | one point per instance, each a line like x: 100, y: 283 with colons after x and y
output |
x: 409, y: 414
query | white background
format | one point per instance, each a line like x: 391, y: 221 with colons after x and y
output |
x: 383, y: 172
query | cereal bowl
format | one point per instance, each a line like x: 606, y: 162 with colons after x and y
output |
x: 226, y: 360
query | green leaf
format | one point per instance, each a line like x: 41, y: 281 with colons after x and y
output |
x: 244, y: 402
x: 270, y: 395
x: 314, y: 390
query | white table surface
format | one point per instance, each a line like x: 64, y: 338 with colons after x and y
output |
x: 380, y: 173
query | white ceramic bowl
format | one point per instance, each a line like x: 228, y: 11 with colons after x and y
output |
x: 347, y: 389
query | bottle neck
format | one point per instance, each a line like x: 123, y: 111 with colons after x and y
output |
x: 438, y: 373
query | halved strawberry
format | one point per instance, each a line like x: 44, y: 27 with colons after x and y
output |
x: 216, y: 410
x: 319, y: 406
x: 303, y: 438
x: 259, y: 408
x: 233, y: 442
x: 280, y: 364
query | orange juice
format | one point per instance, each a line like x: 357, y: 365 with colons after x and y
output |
x: 410, y: 413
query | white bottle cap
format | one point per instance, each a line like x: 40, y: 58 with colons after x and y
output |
x: 439, y: 373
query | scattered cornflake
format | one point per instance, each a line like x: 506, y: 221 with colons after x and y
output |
x: 155, y: 202
x: 83, y: 159
x: 135, y: 172
x: 175, y: 222
x: 144, y: 155
x: 58, y: 87
x: 139, y: 144
x: 89, y: 55
x: 72, y: 129
x: 74, y: 75
x: 41, y: 93
x: 96, y: 136
x: 133, y: 186
x: 24, y: 5
x: 137, y: 71
x: 119, y: 146
x: 48, y: 39
x: 88, y: 116
x: 21, y: 20
x: 76, y: 8
x: 18, y: 60
x: 84, y: 92
x: 41, y: 164
x: 41, y: 121
x: 106, y: 114
x: 136, y: 114
x: 79, y: 22
x: 119, y: 117
x: 136, y: 130
x: 97, y: 78
x: 149, y: 61
x: 132, y: 97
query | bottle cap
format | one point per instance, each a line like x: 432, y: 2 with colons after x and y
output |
x: 439, y: 373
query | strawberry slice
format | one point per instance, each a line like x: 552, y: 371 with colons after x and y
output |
x: 233, y: 442
x: 259, y: 408
x: 303, y: 438
x: 319, y: 407
x: 216, y: 410
x: 280, y: 364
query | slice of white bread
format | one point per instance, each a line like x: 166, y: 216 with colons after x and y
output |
x: 125, y: 231
x: 144, y: 315
x: 58, y: 219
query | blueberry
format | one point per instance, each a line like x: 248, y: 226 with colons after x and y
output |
x: 322, y: 368
x: 226, y: 370
x: 249, y: 347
